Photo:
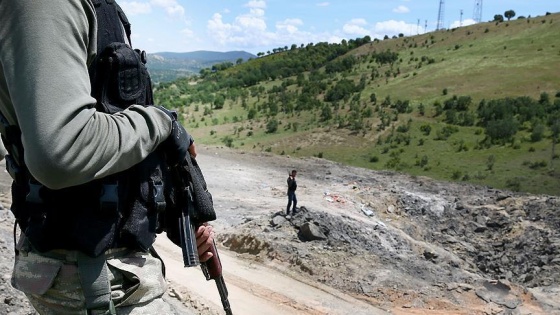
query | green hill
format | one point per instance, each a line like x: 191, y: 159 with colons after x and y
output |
x: 478, y: 104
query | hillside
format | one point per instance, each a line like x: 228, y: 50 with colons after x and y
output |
x: 477, y: 104
x: 169, y: 66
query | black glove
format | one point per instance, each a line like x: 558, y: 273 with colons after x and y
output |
x: 177, y: 145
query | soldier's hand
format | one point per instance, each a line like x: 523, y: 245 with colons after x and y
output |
x: 204, y: 240
x: 192, y: 150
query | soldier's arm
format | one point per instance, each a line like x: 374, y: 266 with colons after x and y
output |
x: 46, y: 47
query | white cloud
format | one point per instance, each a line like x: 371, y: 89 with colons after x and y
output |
x: 356, y: 27
x: 188, y: 33
x: 247, y: 29
x: 464, y: 23
x: 253, y: 21
x: 392, y: 28
x: 218, y: 29
x: 401, y: 9
x: 171, y: 7
x: 136, y: 8
x: 290, y: 26
x: 261, y: 4
x: 358, y: 22
x: 323, y: 4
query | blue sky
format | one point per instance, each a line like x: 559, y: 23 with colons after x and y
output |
x: 262, y: 25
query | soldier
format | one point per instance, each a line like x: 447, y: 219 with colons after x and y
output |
x: 82, y: 153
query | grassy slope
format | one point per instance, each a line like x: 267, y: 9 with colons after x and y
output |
x: 516, y: 58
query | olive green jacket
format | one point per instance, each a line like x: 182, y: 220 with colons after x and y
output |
x: 45, y: 50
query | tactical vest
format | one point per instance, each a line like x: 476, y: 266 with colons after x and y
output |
x: 120, y: 210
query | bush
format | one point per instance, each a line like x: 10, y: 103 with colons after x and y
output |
x: 422, y: 162
x: 514, y: 183
x: 426, y: 129
x: 456, y: 175
x: 228, y: 141
x: 537, y: 133
x: 272, y: 126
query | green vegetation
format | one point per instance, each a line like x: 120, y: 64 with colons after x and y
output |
x: 477, y: 104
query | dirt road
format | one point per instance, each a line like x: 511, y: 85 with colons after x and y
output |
x: 243, y: 189
x: 257, y: 289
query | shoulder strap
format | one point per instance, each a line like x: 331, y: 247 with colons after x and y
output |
x: 112, y: 24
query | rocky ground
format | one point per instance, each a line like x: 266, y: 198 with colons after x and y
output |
x: 408, y: 245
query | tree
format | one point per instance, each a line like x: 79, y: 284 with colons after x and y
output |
x: 326, y: 113
x: 509, y: 14
x: 219, y: 101
x: 502, y: 130
x: 498, y: 18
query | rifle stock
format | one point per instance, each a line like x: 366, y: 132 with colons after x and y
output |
x: 212, y: 269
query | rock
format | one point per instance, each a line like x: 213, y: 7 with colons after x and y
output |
x: 311, y: 232
x: 498, y: 292
x: 367, y: 211
x: 430, y: 255
x: 277, y: 220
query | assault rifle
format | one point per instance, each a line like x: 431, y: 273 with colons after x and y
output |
x: 195, y: 205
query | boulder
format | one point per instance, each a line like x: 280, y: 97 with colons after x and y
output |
x: 311, y: 232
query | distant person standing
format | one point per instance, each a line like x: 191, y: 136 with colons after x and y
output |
x: 292, y: 186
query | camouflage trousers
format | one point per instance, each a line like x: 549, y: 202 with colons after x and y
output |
x: 51, y: 281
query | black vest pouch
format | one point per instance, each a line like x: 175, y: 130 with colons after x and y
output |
x: 69, y: 218
x: 146, y: 201
x: 121, y: 78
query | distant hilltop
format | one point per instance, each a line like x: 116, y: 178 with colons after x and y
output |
x: 169, y: 66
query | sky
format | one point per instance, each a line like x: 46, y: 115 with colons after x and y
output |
x: 262, y: 25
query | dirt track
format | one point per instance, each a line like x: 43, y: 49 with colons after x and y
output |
x: 247, y: 187
x: 257, y: 289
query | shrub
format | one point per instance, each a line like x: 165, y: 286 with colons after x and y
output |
x: 426, y: 129
x: 272, y: 126
x: 490, y: 162
x: 456, y: 175
x: 514, y: 183
x: 228, y: 141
